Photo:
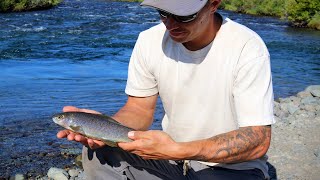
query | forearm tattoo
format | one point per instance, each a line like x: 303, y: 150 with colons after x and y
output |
x: 244, y: 144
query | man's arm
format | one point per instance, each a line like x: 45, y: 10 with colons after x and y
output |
x: 138, y: 112
x: 244, y: 144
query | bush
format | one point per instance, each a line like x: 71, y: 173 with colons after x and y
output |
x: 24, y: 5
x: 298, y: 12
x: 303, y: 11
x: 315, y: 22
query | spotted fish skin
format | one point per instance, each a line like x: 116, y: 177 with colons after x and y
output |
x: 95, y: 126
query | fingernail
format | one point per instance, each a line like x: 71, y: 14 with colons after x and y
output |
x: 131, y: 134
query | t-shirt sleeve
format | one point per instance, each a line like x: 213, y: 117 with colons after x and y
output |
x: 252, y: 90
x: 141, y: 81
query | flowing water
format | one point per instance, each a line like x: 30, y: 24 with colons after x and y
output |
x: 77, y: 54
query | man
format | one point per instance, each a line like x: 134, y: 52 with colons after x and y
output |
x: 214, y: 79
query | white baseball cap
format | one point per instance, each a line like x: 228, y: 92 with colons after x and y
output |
x: 177, y: 7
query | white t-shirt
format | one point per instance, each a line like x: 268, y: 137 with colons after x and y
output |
x: 217, y: 89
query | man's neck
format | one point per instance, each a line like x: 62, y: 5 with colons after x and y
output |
x: 208, y: 36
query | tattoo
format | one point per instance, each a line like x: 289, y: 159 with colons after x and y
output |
x: 244, y: 144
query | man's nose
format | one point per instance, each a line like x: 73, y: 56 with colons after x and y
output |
x: 170, y: 23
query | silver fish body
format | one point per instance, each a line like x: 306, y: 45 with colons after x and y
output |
x: 95, y: 126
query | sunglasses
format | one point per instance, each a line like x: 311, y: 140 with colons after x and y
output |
x: 181, y: 19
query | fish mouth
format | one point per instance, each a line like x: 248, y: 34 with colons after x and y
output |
x: 55, y: 119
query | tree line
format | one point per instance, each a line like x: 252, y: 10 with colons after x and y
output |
x: 300, y: 13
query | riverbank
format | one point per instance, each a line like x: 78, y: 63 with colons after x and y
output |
x: 294, y: 152
x: 27, y: 5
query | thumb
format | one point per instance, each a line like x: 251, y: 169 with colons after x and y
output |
x: 134, y: 135
x: 70, y: 108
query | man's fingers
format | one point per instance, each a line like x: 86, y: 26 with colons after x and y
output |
x: 91, y: 144
x: 90, y: 111
x: 70, y: 109
x: 139, y: 134
x: 71, y: 136
x: 63, y: 134
x: 75, y: 109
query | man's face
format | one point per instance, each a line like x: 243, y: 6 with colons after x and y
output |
x: 188, y: 32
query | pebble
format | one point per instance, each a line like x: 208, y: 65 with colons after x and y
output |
x: 18, y: 177
x: 73, y: 172
x: 57, y: 174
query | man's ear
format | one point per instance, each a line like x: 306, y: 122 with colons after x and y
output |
x: 214, y: 4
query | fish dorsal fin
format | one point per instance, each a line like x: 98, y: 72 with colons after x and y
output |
x: 77, y: 129
x: 111, y: 119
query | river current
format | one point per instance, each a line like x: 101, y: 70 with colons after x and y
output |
x: 77, y: 54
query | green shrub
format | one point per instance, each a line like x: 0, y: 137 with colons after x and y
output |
x: 298, y: 12
x: 315, y: 22
x: 24, y: 5
x: 303, y: 11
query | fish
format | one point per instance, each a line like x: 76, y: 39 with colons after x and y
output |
x: 95, y: 126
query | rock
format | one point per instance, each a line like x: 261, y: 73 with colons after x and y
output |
x: 294, y: 151
x: 314, y: 90
x: 292, y: 108
x: 284, y: 100
x: 18, y: 177
x: 42, y: 154
x: 81, y: 176
x: 310, y: 108
x: 73, y: 172
x: 309, y: 100
x: 303, y: 94
x: 316, y: 93
x: 57, y: 174
x: 295, y: 100
x: 78, y: 161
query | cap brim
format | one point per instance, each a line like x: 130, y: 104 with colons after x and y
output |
x: 176, y: 7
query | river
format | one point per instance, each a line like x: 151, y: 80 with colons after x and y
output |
x: 77, y: 54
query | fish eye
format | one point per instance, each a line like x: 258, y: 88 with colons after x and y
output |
x: 60, y: 117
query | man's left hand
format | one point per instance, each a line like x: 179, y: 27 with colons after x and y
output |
x: 152, y: 144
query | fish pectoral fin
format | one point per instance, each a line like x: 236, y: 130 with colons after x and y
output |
x: 77, y: 129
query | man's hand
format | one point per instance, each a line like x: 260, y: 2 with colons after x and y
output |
x: 152, y: 145
x: 71, y: 136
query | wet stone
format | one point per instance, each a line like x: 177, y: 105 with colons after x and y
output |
x: 57, y: 174
x: 73, y: 172
x: 18, y: 177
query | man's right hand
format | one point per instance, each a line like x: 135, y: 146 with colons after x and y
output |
x: 71, y: 136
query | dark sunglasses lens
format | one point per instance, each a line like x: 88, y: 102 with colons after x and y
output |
x: 185, y: 18
x: 163, y: 14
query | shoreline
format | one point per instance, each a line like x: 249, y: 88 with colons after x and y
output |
x: 294, y: 149
x: 292, y: 13
x: 293, y: 153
